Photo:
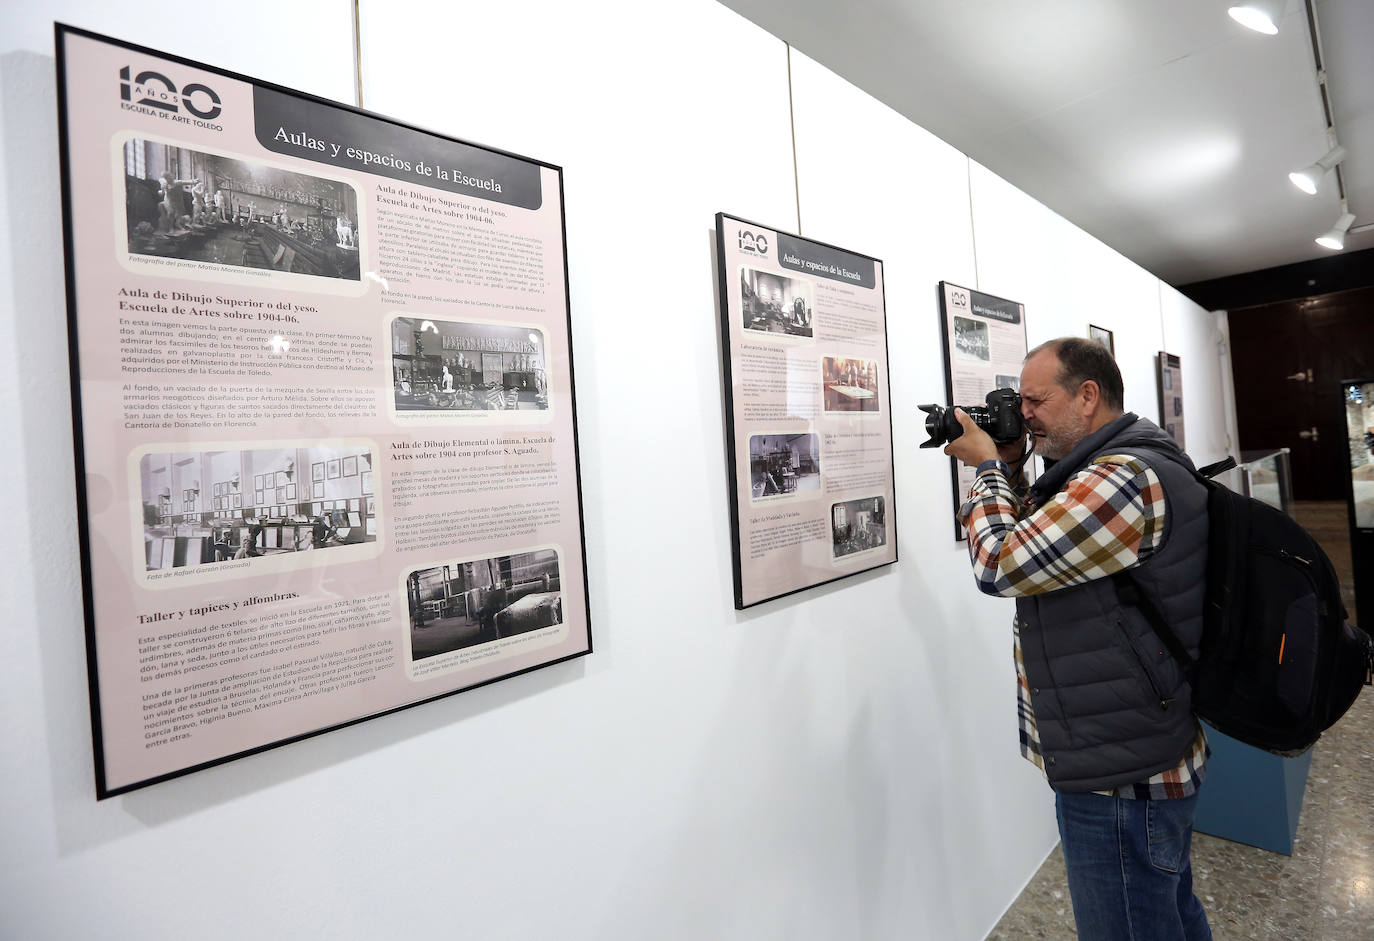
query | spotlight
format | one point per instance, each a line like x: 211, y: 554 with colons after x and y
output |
x: 1335, y: 239
x: 1260, y: 15
x: 1309, y: 178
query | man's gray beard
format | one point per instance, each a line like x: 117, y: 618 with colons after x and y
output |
x: 1056, y: 445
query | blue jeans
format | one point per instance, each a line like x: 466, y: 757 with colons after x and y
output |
x: 1130, y: 871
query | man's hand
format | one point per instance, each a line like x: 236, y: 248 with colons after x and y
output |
x: 974, y: 446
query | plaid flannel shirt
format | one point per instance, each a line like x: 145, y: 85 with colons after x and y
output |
x: 1108, y: 518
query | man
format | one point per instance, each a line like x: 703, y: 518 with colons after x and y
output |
x: 1104, y: 709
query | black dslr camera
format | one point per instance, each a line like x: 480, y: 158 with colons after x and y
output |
x: 1001, y: 419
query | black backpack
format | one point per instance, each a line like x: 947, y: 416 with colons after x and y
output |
x: 1278, y: 663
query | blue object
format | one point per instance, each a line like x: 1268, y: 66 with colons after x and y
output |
x: 1251, y: 796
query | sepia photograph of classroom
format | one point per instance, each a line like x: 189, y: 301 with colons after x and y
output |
x: 784, y: 465
x: 463, y: 604
x: 203, y: 507
x: 851, y: 385
x: 971, y: 340
x: 185, y: 204
x: 451, y: 366
x: 858, y: 525
x: 773, y: 303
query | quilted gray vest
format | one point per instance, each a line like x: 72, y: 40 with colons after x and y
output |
x: 1111, y: 704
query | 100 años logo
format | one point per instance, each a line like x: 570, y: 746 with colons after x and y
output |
x: 749, y: 242
x: 156, y: 90
x: 959, y: 298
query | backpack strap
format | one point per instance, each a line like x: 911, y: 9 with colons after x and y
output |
x: 1211, y: 470
x: 1130, y: 595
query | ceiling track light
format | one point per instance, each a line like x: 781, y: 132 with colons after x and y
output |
x: 1260, y: 15
x: 1335, y: 239
x: 1309, y: 179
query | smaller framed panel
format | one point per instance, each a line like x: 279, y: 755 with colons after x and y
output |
x: 984, y: 341
x: 1170, y: 395
x: 1104, y: 336
x: 804, y: 362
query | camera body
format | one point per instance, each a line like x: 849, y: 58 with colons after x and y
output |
x: 1000, y: 418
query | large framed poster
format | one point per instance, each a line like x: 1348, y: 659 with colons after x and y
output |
x: 984, y: 342
x: 1170, y: 395
x: 326, y: 439
x: 807, y: 413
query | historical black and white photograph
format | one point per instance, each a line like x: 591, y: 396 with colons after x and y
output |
x: 242, y: 522
x: 858, y: 525
x: 851, y: 385
x: 186, y: 204
x: 782, y: 465
x: 451, y: 366
x: 971, y: 340
x: 773, y: 303
x: 1007, y: 382
x: 463, y: 604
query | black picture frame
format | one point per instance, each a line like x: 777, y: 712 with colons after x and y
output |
x: 801, y: 331
x: 332, y: 469
x: 1169, y: 384
x: 317, y: 471
x: 350, y: 466
x: 1104, y: 336
x: 958, y: 302
x: 74, y: 91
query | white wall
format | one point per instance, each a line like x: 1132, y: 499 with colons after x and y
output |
x: 839, y: 764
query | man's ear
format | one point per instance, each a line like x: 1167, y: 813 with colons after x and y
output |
x: 1092, y: 396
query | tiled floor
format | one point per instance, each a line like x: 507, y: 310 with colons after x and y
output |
x: 1325, y: 890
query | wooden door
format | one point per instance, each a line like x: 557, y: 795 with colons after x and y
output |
x: 1288, y: 360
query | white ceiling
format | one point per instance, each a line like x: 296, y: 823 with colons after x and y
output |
x: 1162, y: 127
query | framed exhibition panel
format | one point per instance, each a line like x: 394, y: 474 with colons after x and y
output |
x: 1170, y: 395
x: 1357, y: 397
x: 984, y: 343
x: 238, y: 255
x: 807, y: 412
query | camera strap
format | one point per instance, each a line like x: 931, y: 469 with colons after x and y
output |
x: 1026, y: 452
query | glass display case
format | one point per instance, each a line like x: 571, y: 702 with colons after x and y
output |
x: 1266, y: 476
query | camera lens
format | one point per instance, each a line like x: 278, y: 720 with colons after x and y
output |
x: 941, y: 425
